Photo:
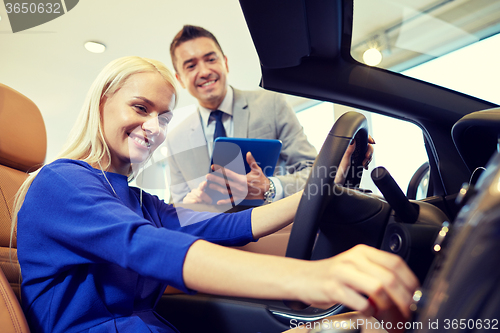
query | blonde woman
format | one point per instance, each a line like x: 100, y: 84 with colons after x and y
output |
x: 97, y: 254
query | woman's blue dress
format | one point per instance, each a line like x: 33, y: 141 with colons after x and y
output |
x: 92, y: 262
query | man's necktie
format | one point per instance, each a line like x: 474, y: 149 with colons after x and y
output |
x: 219, y: 127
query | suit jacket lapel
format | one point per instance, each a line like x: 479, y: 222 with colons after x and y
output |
x: 240, y: 114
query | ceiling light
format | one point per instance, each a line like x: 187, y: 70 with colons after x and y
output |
x: 95, y: 47
x: 372, y: 57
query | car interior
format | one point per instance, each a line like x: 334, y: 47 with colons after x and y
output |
x: 305, y: 49
x: 20, y: 153
x: 449, y: 239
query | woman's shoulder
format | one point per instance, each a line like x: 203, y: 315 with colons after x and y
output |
x: 68, y: 168
x: 67, y: 164
x: 62, y: 179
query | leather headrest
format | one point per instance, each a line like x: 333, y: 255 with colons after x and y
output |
x: 476, y: 137
x: 23, y: 139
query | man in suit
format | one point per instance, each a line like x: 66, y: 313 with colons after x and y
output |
x: 201, y: 68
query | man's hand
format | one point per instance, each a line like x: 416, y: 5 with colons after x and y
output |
x: 198, y: 195
x: 251, y: 186
x: 257, y: 182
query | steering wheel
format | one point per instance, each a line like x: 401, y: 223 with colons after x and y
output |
x: 320, y: 184
x: 350, y: 126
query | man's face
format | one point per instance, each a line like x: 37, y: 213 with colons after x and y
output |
x: 202, y: 70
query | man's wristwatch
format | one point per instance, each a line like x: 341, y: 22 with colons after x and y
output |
x: 270, y: 193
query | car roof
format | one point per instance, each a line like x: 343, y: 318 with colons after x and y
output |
x: 305, y: 49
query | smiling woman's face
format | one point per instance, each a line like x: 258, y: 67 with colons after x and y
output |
x: 135, y: 119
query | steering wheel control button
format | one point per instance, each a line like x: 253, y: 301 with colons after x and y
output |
x: 395, y: 242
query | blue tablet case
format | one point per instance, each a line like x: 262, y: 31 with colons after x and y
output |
x: 231, y: 153
x: 265, y: 151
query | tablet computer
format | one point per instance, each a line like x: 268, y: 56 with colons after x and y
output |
x: 230, y: 153
x: 227, y: 151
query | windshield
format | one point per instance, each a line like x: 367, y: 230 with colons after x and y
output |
x: 450, y: 43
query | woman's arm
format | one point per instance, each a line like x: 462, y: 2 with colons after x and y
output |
x: 271, y: 218
x: 345, y: 278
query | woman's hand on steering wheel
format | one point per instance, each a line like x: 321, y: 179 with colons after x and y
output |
x: 346, y: 159
x: 369, y: 152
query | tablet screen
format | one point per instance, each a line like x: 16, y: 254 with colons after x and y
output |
x: 227, y: 151
x: 230, y: 153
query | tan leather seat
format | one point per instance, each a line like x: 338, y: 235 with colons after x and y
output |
x: 23, y: 145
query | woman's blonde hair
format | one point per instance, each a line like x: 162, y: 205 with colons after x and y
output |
x: 86, y: 140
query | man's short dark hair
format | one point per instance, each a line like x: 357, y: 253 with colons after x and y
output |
x: 187, y: 33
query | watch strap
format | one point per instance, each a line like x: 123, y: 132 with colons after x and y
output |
x: 270, y: 194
